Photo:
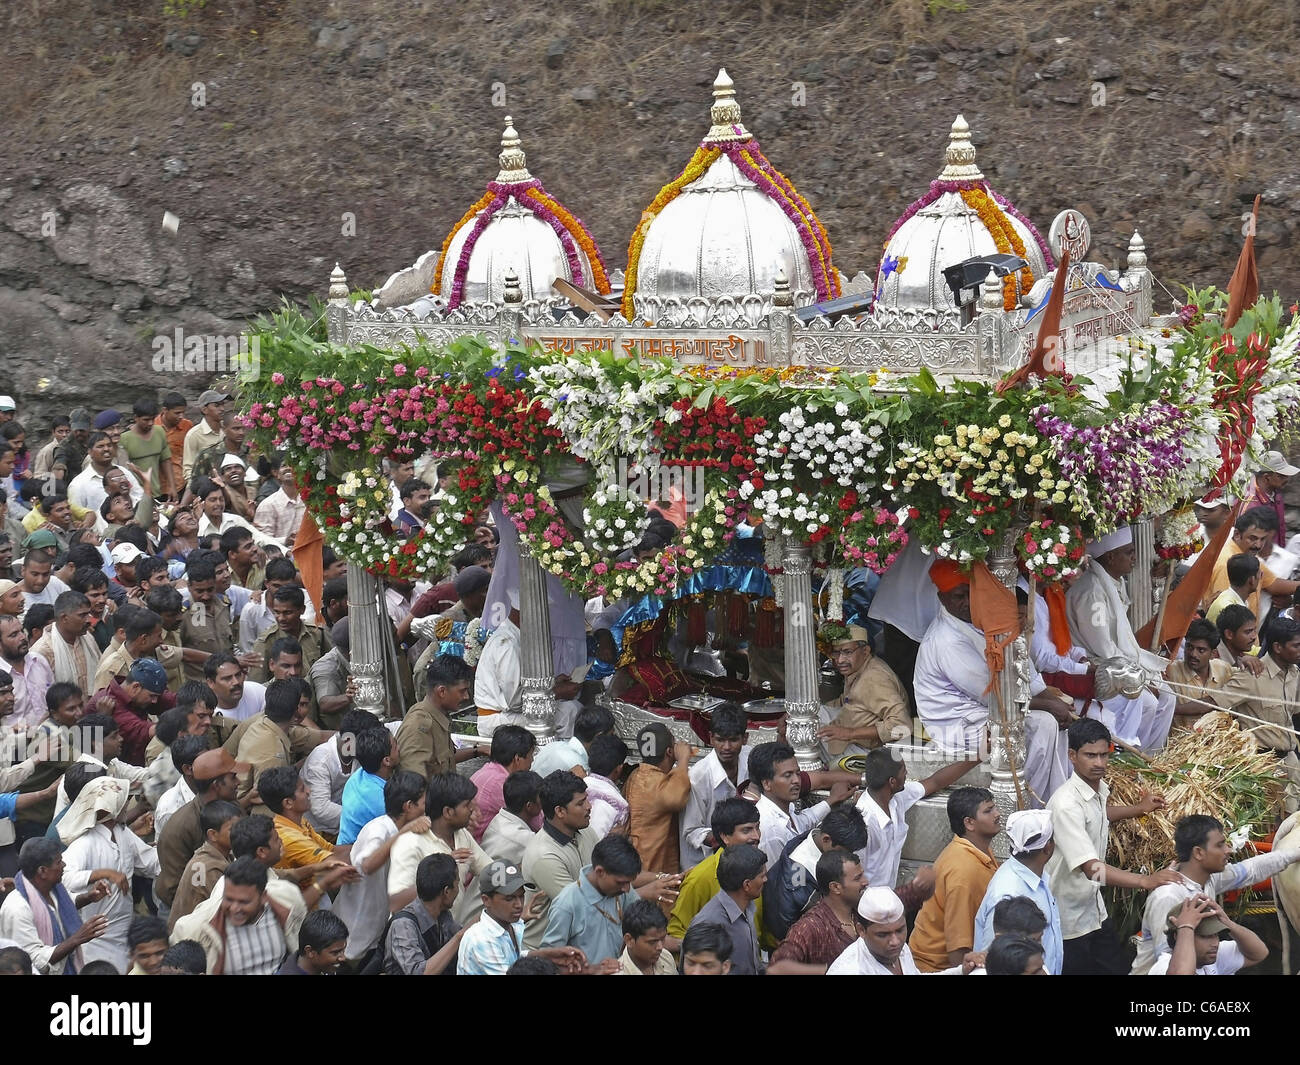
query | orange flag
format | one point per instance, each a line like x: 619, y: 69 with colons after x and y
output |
x: 993, y: 611
x: 1243, y: 287
x: 1185, y: 600
x: 307, y: 548
x: 1046, y: 356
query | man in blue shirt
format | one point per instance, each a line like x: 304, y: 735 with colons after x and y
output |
x: 1022, y: 876
x: 742, y: 872
x: 588, y: 914
x: 363, y: 794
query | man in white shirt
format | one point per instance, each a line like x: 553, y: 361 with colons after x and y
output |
x: 363, y: 904
x: 885, y: 800
x: 237, y: 699
x: 1077, y: 869
x: 951, y: 682
x: 1194, y: 945
x: 1097, y: 604
x: 184, y: 750
x: 716, y: 776
x: 216, y: 519
x: 38, y: 583
x: 326, y: 771
x: 207, y: 432
x: 509, y: 834
x: 87, y: 488
x: 96, y: 840
x: 280, y: 514
x: 1201, y: 852
x: 498, y: 689
x: 775, y: 771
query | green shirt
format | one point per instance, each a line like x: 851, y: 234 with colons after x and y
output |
x: 148, y: 453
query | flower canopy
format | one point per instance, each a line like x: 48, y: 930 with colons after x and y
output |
x: 853, y: 464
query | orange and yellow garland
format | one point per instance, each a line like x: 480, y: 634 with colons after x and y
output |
x: 482, y: 202
x: 1005, y: 239
x: 695, y: 169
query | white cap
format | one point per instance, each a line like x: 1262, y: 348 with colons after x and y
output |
x: 7, y: 403
x: 880, y: 905
x: 1121, y: 537
x: 1029, y: 830
x: 126, y: 552
x: 1209, y: 504
x: 1273, y: 461
x: 232, y: 460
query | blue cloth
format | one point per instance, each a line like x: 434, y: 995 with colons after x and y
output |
x: 69, y: 919
x: 363, y: 801
x: 580, y: 916
x: 9, y: 804
x: 1013, y: 880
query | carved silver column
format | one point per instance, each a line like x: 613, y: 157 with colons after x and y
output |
x: 1007, y: 728
x: 537, y: 668
x: 802, y: 705
x: 365, y: 636
x: 336, y: 311
x: 1140, y: 610
x: 781, y: 321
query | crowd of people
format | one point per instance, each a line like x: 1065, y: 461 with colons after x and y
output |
x: 189, y: 785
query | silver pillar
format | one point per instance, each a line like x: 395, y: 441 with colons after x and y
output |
x: 365, y: 635
x: 802, y: 705
x: 1007, y: 728
x: 537, y: 667
x: 1141, y: 608
x: 336, y: 310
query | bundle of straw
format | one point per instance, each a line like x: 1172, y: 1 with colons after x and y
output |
x: 1214, y: 769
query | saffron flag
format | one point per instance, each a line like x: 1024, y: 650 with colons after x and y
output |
x: 307, y: 556
x: 994, y: 612
x: 1046, y: 356
x: 1243, y: 287
x: 1185, y: 600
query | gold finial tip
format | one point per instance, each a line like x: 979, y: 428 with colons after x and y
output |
x: 724, y: 114
x: 514, y: 164
x: 723, y: 81
x: 959, y: 159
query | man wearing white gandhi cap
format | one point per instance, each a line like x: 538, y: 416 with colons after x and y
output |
x: 1097, y: 606
x: 1024, y: 875
x: 881, y: 947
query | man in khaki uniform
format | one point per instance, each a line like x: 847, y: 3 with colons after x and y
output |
x: 205, y: 625
x: 875, y: 709
x: 303, y: 737
x: 424, y: 739
x: 1272, y: 696
x: 288, y: 604
x: 1199, y: 676
x: 265, y: 744
x: 142, y: 636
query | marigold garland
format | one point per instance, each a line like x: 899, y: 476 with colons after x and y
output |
x: 479, y: 204
x: 1005, y: 238
x: 577, y: 230
x: 695, y: 169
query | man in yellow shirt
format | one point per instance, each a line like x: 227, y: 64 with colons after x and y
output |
x: 734, y: 821
x: 945, y: 927
x: 1243, y: 573
x: 285, y: 793
x: 1252, y: 530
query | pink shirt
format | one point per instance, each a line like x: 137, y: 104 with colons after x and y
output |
x: 30, y: 687
x: 489, y: 780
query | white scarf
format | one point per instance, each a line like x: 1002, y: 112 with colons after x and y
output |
x: 65, y: 664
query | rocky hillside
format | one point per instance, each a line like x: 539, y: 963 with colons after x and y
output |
x: 285, y: 135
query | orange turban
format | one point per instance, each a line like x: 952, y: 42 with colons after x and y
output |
x: 947, y: 575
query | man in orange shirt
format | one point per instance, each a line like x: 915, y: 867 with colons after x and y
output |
x: 175, y: 425
x: 285, y: 792
x: 945, y: 927
x: 657, y: 792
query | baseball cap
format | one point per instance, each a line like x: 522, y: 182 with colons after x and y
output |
x: 654, y: 741
x: 213, y: 396
x: 1273, y: 461
x: 7, y: 403
x: 213, y: 764
x: 499, y: 878
x: 1211, y: 926
x: 126, y: 552
x: 107, y: 418
x: 79, y: 419
x: 40, y: 538
x: 149, y: 674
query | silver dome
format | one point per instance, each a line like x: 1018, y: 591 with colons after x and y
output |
x: 944, y: 233
x: 722, y: 235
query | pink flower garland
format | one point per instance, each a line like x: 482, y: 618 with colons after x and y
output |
x: 812, y: 245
